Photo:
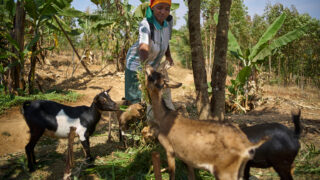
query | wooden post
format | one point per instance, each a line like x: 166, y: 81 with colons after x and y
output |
x: 69, y: 160
x: 156, y: 165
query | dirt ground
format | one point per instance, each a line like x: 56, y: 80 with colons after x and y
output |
x: 278, y: 102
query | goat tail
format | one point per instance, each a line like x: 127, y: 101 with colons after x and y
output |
x: 25, y: 106
x: 296, y: 113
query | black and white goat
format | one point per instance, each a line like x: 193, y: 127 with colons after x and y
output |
x: 280, y: 151
x: 54, y: 119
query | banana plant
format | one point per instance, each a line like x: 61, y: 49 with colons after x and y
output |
x: 266, y: 44
x: 40, y: 14
x: 251, y: 57
x: 112, y: 21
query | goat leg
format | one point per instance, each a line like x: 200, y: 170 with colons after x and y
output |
x: 247, y: 172
x: 86, y: 147
x: 34, y: 137
x: 170, y: 155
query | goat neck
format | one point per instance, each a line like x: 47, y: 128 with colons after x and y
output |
x: 95, y: 111
x: 158, y: 106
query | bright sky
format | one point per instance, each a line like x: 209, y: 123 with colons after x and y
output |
x: 312, y: 7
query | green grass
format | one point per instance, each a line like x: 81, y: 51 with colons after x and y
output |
x: 308, y: 160
x: 136, y: 163
x: 8, y: 101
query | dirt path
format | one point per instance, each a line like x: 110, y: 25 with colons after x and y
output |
x: 13, y: 129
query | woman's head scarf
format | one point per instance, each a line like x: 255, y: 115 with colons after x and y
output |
x: 155, y: 2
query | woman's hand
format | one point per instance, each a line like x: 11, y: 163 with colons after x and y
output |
x: 170, y: 60
x: 143, y: 51
x: 168, y: 56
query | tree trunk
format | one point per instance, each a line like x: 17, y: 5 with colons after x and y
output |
x: 210, y: 48
x: 206, y: 59
x: 15, y: 80
x: 219, y: 72
x: 120, y: 59
x: 198, y: 64
x: 32, y: 72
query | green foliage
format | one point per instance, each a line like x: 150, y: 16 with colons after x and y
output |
x: 281, y: 41
x: 295, y: 59
x: 142, y: 81
x: 256, y: 55
x: 136, y: 163
x: 180, y: 45
x: 7, y: 101
x: 268, y: 35
x: 308, y: 160
x: 15, y: 165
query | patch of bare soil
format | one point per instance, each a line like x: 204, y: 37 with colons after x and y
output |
x: 57, y: 75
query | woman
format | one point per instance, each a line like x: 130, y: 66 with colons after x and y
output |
x: 153, y: 43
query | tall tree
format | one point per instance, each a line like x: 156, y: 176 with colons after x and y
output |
x: 198, y: 64
x: 16, y: 80
x: 219, y: 73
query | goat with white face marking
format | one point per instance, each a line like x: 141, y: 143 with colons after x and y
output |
x: 220, y: 148
x: 54, y: 119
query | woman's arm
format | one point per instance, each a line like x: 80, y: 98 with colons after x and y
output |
x: 168, y: 56
x: 143, y: 51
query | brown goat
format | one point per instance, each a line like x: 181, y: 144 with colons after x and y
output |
x: 131, y: 114
x: 220, y: 148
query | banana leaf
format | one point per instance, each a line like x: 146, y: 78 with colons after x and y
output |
x: 281, y: 41
x: 269, y: 34
x: 71, y: 12
x: 63, y: 24
x: 13, y: 42
x: 31, y: 9
x: 100, y: 24
x: 10, y: 7
x: 174, y: 6
x: 141, y: 10
x: 32, y: 42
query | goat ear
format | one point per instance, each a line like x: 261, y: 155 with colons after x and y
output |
x: 172, y: 84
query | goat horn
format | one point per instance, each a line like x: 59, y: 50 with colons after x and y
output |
x: 108, y: 90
